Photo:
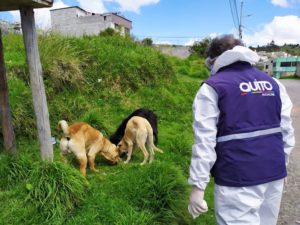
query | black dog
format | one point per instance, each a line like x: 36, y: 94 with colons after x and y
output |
x: 142, y: 112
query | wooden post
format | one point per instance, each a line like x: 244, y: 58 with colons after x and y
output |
x: 6, y: 120
x: 37, y: 84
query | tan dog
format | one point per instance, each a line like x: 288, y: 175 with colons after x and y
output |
x: 86, y: 142
x: 138, y: 132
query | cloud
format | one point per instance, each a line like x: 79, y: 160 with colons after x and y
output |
x: 124, y: 5
x: 133, y: 5
x: 282, y: 29
x: 42, y: 16
x: 281, y: 3
x: 157, y: 42
x: 285, y: 3
x: 96, y: 6
x: 191, y: 41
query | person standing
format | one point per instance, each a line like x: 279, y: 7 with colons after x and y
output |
x: 243, y: 136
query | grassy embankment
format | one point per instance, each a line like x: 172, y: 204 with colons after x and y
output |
x: 100, y: 80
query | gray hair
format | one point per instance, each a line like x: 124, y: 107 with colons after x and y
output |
x: 221, y: 44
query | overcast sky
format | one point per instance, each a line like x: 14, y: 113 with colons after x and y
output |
x: 184, y: 21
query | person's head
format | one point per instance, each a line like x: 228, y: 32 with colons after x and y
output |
x: 221, y: 44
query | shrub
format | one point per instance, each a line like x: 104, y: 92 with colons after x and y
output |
x: 199, y: 47
x: 147, y: 42
x: 62, y: 61
x: 55, y: 189
x: 108, y: 32
x: 13, y: 170
x: 159, y: 188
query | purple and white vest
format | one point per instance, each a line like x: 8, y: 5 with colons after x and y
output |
x: 249, y: 140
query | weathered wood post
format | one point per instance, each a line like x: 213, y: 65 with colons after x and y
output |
x: 36, y: 81
x: 5, y: 115
x: 35, y: 69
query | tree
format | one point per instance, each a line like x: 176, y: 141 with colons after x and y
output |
x: 199, y: 47
x: 147, y: 42
x: 108, y: 32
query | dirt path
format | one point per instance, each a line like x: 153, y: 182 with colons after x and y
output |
x: 290, y: 205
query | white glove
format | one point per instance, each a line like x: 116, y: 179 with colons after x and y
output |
x: 197, y: 204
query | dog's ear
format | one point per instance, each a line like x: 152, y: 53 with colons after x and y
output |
x: 59, y: 126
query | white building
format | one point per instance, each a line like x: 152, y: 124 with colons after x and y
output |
x: 74, y: 21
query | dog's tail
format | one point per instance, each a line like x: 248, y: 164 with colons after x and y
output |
x: 63, y: 125
x: 150, y: 140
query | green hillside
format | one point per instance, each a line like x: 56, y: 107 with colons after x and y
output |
x: 101, y: 80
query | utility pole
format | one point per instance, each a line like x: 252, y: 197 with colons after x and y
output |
x: 240, y: 25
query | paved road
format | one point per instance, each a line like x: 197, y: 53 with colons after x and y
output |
x: 290, y: 205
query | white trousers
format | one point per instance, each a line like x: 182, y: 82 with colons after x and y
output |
x: 254, y: 205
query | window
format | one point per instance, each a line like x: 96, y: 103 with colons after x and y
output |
x: 285, y: 64
x: 267, y: 67
x: 294, y: 63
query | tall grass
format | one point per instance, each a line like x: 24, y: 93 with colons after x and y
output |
x: 101, y: 80
x: 63, y: 61
x: 131, y: 194
x: 101, y: 68
x: 13, y: 170
x: 159, y: 188
x: 22, y: 107
x: 193, y: 67
x: 50, y: 190
x: 55, y: 189
x: 121, y: 63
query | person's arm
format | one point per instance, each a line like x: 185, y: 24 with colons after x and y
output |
x: 206, y: 114
x: 286, y: 121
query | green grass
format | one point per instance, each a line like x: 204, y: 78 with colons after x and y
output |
x: 101, y: 80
